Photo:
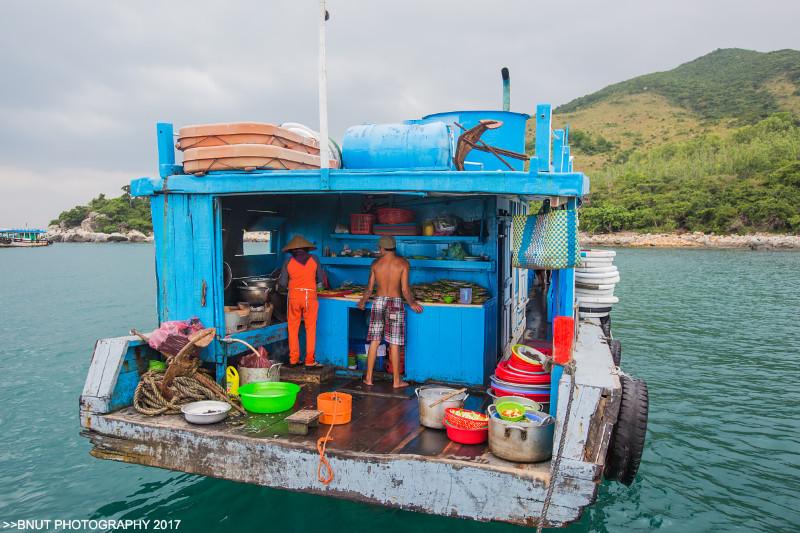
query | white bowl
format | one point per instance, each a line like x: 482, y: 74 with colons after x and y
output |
x: 205, y: 412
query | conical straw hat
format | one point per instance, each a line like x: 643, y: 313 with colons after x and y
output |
x: 298, y: 241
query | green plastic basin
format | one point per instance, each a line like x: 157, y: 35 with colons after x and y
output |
x: 268, y: 396
x: 511, y: 405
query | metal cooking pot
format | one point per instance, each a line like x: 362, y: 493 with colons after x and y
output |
x: 521, y: 442
x: 253, y: 295
x: 267, y: 283
x: 433, y: 417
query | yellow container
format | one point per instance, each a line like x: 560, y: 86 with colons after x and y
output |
x: 427, y: 229
x: 232, y: 381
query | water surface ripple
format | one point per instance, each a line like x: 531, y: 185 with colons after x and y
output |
x: 713, y: 332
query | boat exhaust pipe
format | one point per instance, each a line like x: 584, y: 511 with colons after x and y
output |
x: 506, y: 88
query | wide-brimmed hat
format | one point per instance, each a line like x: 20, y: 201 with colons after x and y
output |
x: 298, y: 241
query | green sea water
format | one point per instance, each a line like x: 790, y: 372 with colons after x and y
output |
x: 714, y: 333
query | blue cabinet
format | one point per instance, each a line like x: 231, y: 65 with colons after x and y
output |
x: 449, y: 343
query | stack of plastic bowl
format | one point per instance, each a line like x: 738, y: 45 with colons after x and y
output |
x: 522, y: 375
x: 595, y: 280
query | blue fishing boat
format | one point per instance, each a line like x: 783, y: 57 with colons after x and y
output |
x: 23, y: 238
x: 382, y: 455
x: 514, y: 335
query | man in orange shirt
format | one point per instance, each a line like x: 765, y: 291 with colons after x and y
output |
x: 301, y: 274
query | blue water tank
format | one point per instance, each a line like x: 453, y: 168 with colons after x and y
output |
x: 410, y: 145
x: 511, y: 136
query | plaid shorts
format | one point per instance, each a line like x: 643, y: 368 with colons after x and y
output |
x: 387, y: 321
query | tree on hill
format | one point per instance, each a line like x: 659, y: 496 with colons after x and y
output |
x: 120, y: 214
x: 746, y: 181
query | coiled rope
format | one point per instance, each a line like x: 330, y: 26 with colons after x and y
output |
x: 183, y: 382
x: 149, y: 400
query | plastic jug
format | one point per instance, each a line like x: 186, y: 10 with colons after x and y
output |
x: 232, y: 381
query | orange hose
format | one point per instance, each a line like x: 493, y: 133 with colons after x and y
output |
x: 322, y: 444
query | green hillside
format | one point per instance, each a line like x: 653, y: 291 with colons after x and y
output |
x: 711, y: 145
x: 730, y: 83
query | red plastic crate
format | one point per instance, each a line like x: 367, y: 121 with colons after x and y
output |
x: 361, y: 223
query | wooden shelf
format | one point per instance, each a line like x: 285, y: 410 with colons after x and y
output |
x: 434, y: 239
x: 444, y: 264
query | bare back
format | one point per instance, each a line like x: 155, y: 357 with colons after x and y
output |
x: 391, y: 275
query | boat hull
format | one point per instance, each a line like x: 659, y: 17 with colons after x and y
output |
x: 18, y: 244
x: 378, y: 459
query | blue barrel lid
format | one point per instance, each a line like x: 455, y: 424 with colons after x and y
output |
x: 477, y: 111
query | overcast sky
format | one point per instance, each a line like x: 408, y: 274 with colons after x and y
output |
x: 82, y: 83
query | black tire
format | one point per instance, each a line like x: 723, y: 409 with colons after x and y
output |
x: 616, y: 351
x: 605, y: 325
x: 627, y: 439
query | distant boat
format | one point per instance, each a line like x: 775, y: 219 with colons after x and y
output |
x: 23, y: 238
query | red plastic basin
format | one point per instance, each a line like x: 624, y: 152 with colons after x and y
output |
x: 506, y: 374
x: 526, y: 368
x: 536, y: 397
x: 467, y: 436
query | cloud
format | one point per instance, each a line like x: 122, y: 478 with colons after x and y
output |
x: 84, y: 82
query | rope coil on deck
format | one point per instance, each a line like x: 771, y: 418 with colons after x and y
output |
x: 149, y: 400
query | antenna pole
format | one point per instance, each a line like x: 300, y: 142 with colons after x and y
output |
x: 323, y: 91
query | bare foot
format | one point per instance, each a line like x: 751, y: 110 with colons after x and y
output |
x: 400, y: 385
x: 367, y: 382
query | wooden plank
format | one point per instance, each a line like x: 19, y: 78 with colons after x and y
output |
x: 104, y: 373
x: 595, y: 398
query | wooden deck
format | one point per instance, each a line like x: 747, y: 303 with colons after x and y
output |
x: 384, y: 422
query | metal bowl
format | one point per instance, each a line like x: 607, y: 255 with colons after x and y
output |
x: 205, y: 412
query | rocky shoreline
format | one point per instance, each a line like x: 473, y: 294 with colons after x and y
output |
x: 756, y: 241
x: 88, y: 232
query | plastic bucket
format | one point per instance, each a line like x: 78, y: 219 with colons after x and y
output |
x: 336, y: 407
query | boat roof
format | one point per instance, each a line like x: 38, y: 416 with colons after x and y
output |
x: 25, y: 230
x: 573, y: 184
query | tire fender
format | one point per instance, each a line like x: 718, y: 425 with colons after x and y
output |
x: 625, y: 449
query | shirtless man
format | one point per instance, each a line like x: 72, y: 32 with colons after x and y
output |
x: 388, y: 317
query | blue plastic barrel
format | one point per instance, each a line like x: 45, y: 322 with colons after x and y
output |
x: 511, y: 136
x: 411, y: 145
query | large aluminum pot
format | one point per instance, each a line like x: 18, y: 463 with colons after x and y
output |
x: 267, y: 283
x: 521, y: 442
x: 433, y: 417
x: 253, y: 295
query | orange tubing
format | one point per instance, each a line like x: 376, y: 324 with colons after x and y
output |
x: 328, y: 403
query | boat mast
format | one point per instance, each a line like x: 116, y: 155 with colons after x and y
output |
x: 323, y: 91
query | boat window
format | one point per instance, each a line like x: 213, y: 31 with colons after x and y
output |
x: 258, y: 243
